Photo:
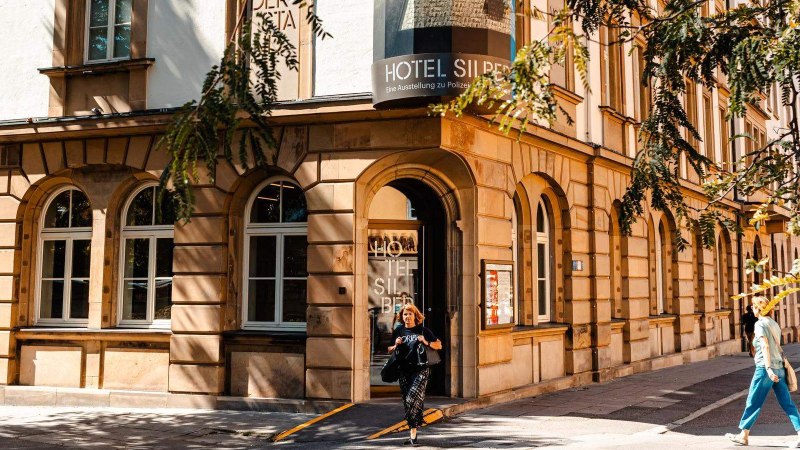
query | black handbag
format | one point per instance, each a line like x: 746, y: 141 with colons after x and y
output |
x: 432, y: 356
x: 423, y: 356
x: 391, y: 369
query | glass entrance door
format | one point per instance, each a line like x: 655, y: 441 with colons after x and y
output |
x: 394, y: 257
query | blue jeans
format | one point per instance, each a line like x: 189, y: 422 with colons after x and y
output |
x: 759, y: 388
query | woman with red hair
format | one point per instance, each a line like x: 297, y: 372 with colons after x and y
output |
x: 413, y: 381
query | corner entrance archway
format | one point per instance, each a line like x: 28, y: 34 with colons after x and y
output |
x: 406, y: 258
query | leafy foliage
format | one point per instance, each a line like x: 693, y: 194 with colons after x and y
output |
x: 522, y: 93
x: 755, y: 45
x: 238, y: 96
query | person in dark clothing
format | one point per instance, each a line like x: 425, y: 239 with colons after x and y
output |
x: 749, y: 323
x: 413, y: 382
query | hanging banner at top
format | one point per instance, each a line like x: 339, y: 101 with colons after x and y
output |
x: 424, y: 50
x: 288, y: 18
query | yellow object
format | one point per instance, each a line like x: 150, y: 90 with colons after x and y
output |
x: 291, y: 431
x: 431, y: 415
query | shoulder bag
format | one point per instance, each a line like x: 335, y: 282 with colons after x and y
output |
x: 791, y: 376
x: 422, y: 356
x: 391, y: 369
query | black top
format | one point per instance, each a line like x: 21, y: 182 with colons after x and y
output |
x: 749, y: 321
x: 409, y: 335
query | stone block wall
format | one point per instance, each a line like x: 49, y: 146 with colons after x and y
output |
x: 476, y: 171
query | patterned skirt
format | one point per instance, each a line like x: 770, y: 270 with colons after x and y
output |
x: 412, y: 387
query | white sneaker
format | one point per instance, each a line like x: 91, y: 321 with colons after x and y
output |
x: 736, y: 439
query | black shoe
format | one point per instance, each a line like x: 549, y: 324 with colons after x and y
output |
x: 411, y: 442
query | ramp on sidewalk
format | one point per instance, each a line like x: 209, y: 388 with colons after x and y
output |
x: 363, y: 420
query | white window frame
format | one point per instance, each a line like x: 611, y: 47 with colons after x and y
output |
x: 279, y: 230
x: 720, y: 278
x: 69, y: 235
x: 543, y: 238
x: 515, y: 260
x: 660, y: 300
x: 112, y: 10
x: 152, y: 233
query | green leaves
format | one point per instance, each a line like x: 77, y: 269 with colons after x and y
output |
x: 237, y: 98
x: 754, y: 48
x: 522, y: 93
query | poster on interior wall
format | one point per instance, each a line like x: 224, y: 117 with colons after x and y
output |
x: 498, y: 294
x: 392, y: 243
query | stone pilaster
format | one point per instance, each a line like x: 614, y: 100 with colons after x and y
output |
x: 706, y: 300
x: 200, y: 266
x: 334, y: 368
x: 636, y: 291
x: 600, y: 276
x: 580, y: 304
x: 681, y: 292
x: 8, y: 278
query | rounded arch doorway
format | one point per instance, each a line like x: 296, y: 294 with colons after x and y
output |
x: 407, y: 263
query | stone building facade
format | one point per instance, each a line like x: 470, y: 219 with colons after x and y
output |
x: 270, y: 290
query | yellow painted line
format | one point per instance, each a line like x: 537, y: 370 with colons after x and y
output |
x: 307, y: 424
x: 431, y: 415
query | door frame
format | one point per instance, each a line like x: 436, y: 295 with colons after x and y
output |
x: 396, y: 224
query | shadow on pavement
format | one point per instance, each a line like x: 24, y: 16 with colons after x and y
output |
x: 104, y: 428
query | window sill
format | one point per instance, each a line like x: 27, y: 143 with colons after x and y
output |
x: 718, y: 312
x: 608, y: 110
x: 566, y: 94
x: 123, y: 65
x: 762, y: 112
x: 263, y: 336
x: 665, y: 319
x: 85, y: 334
x: 543, y: 329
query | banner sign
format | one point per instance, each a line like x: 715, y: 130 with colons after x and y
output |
x: 428, y: 74
x: 289, y: 19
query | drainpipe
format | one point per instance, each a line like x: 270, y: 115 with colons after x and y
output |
x: 739, y: 248
x: 740, y: 273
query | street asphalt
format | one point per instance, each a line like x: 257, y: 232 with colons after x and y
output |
x: 689, y: 406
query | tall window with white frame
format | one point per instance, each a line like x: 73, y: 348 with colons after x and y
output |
x: 720, y: 268
x: 108, y: 27
x: 660, y: 269
x: 146, y: 266
x: 543, y: 269
x: 275, y: 245
x: 666, y: 268
x: 64, y: 257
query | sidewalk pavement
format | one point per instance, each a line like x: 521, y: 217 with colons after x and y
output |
x: 689, y: 406
x: 25, y: 427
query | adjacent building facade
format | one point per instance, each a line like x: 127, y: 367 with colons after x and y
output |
x: 285, y: 282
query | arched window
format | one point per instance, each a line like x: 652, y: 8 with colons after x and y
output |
x: 757, y: 277
x: 724, y: 271
x: 662, y: 280
x: 64, y: 257
x: 146, y: 262
x: 515, y: 252
x: 275, y: 247
x: 543, y: 262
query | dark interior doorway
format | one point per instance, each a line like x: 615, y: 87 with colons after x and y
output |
x: 407, y: 262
